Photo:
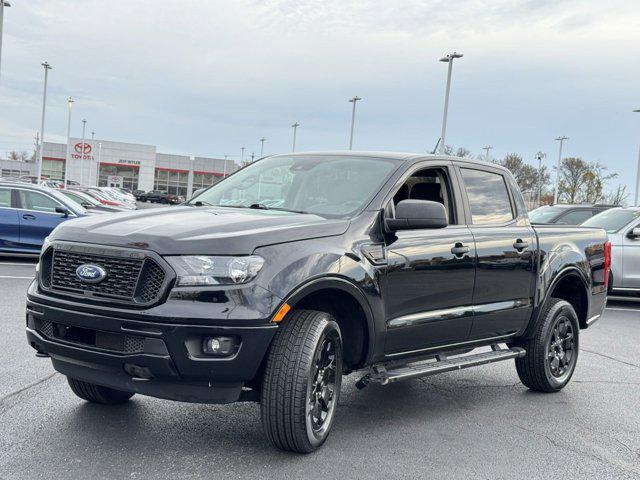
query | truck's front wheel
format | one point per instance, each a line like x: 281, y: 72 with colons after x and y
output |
x: 552, y: 352
x: 97, y: 393
x: 301, y: 383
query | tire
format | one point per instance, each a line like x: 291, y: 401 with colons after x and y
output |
x: 545, y: 367
x: 98, y: 394
x: 305, y: 357
x: 164, y: 200
x: 143, y: 199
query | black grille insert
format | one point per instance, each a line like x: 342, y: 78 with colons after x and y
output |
x: 128, y: 280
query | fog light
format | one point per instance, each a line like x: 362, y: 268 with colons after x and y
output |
x: 218, y: 345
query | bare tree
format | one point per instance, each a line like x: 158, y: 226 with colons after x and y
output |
x: 618, y: 196
x: 528, y: 177
x: 461, y: 152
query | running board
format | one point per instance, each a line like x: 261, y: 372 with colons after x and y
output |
x: 442, y: 364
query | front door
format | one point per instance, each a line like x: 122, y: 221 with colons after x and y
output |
x: 630, y: 258
x: 505, y: 246
x: 428, y: 285
x: 37, y: 216
x: 9, y: 224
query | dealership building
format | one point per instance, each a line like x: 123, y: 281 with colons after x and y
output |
x: 128, y: 165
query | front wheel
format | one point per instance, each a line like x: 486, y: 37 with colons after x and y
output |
x: 301, y: 383
x: 552, y: 352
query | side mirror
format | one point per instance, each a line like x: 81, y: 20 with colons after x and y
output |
x: 62, y: 210
x: 416, y: 214
x: 635, y: 233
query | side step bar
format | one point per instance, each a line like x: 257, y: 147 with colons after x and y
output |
x: 380, y: 374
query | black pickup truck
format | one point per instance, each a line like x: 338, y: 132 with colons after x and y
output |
x: 298, y: 269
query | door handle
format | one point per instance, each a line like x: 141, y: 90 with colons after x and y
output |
x: 459, y: 249
x: 520, y: 245
x: 28, y: 216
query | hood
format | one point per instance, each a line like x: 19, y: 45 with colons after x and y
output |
x: 198, y: 230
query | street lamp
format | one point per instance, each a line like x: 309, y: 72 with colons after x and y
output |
x: 353, y: 100
x: 262, y: 140
x: 486, y: 149
x: 295, y: 130
x: 539, y: 157
x: 84, y: 126
x: 68, y: 155
x: 635, y: 203
x: 555, y: 192
x: 242, y: 156
x: 3, y: 4
x: 447, y: 59
x: 98, y: 166
x: 46, y: 67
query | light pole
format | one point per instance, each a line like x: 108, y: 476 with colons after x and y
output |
x: 84, y: 126
x: 486, y: 150
x: 68, y: 155
x: 3, y: 4
x: 242, y: 155
x: 557, y: 187
x: 540, y: 156
x: 262, y: 140
x: 295, y: 130
x: 253, y: 157
x: 353, y: 100
x: 447, y: 59
x: 46, y: 67
x: 98, y: 166
x: 635, y: 203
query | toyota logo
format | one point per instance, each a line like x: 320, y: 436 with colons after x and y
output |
x: 78, y: 148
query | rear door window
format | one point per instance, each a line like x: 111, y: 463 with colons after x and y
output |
x: 575, y: 217
x: 488, y: 196
x: 5, y: 197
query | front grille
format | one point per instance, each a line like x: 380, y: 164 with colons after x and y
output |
x: 133, y: 280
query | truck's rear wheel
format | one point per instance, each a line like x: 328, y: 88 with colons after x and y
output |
x: 552, y: 352
x: 301, y: 383
x: 97, y: 393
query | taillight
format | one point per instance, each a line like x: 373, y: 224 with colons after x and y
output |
x: 607, y: 262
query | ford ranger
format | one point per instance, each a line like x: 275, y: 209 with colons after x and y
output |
x: 274, y: 283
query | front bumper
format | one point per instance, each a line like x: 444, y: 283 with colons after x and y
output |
x: 108, y: 350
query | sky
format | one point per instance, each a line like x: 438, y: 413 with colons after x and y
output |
x: 207, y: 77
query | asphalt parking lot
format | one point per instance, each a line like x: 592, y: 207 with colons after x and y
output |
x: 477, y: 423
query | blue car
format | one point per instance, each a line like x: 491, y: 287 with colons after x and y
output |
x: 28, y: 213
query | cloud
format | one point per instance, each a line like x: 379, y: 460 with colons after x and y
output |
x: 207, y: 77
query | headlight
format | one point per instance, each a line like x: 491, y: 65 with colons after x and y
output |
x: 203, y: 270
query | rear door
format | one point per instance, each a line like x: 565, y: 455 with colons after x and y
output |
x: 37, y: 217
x: 428, y: 285
x: 505, y: 246
x: 9, y: 224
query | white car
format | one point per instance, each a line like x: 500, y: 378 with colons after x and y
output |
x: 623, y: 226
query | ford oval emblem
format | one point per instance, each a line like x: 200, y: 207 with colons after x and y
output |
x: 91, y: 273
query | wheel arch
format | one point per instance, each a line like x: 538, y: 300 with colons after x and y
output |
x: 351, y: 309
x: 569, y: 284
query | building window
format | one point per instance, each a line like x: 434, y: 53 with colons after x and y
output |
x: 53, y: 169
x: 128, y: 173
x: 204, y: 180
x: 171, y: 181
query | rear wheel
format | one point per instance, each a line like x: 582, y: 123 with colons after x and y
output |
x: 97, y: 393
x: 302, y: 379
x: 552, y: 352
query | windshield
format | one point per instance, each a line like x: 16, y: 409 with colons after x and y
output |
x: 333, y: 186
x: 612, y: 220
x: 544, y: 214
